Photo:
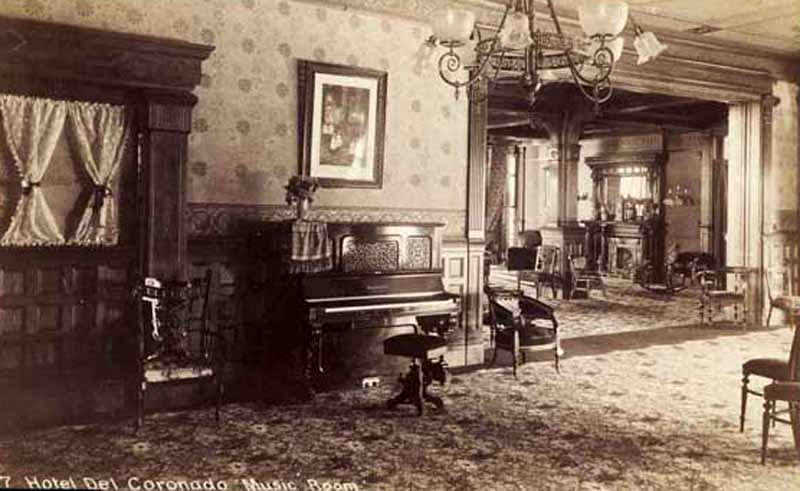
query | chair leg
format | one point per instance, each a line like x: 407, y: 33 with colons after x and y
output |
x: 140, y: 405
x: 769, y: 315
x: 765, y: 431
x: 556, y: 356
x: 774, y: 412
x: 220, y: 392
x: 494, y: 356
x: 514, y: 351
x: 420, y: 388
x: 745, y: 380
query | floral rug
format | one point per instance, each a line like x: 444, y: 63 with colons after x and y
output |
x: 639, y: 404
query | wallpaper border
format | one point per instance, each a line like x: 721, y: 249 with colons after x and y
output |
x: 207, y: 220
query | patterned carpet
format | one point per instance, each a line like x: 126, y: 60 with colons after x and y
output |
x: 645, y: 400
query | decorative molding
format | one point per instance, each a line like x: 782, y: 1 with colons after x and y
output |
x: 168, y: 111
x: 50, y: 51
x: 617, y: 159
x: 207, y: 220
x: 686, y: 141
x: 637, y: 143
x: 768, y: 102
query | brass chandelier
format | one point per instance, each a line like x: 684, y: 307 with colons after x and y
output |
x: 519, y: 52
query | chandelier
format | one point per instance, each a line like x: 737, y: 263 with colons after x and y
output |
x: 519, y: 52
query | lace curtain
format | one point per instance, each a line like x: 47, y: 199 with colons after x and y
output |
x: 32, y: 128
x: 100, y: 133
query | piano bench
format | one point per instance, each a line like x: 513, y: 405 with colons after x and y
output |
x: 426, y: 349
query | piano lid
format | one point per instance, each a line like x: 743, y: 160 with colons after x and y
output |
x: 334, y: 287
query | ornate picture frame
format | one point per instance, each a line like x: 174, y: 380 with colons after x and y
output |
x: 341, y: 124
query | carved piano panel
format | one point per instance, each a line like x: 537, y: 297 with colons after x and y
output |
x: 371, y: 247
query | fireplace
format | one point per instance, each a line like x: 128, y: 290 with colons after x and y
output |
x: 624, y: 256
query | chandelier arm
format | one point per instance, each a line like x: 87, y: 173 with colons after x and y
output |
x: 605, y: 68
x: 595, y: 84
x: 452, y: 62
x: 554, y: 17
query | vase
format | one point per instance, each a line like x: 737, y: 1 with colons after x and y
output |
x: 303, y: 206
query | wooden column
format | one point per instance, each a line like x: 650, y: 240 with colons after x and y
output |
x: 476, y: 211
x: 564, y: 127
x: 750, y: 147
x: 165, y: 120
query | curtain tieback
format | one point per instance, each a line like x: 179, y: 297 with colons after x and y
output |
x: 101, y: 191
x: 27, y: 186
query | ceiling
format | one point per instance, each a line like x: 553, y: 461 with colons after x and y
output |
x: 772, y: 25
x: 769, y: 25
x: 626, y: 113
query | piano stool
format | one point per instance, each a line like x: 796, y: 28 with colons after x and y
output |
x: 423, y: 349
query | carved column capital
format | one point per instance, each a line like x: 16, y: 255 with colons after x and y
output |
x: 768, y: 101
x: 572, y: 152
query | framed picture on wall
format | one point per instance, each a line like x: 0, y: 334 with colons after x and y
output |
x: 342, y: 123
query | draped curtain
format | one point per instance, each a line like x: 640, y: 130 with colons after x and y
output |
x: 100, y: 134
x: 32, y: 128
x: 495, y: 199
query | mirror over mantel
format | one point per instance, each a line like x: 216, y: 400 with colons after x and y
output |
x: 627, y: 187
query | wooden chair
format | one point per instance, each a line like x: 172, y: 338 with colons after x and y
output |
x: 780, y: 290
x: 547, y: 269
x: 176, y: 341
x: 784, y: 390
x: 774, y: 369
x: 513, y: 326
x: 715, y: 295
x: 584, y: 278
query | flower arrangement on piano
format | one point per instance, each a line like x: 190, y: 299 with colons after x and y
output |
x: 301, y: 188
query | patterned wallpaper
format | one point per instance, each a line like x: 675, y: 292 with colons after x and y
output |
x: 243, y: 147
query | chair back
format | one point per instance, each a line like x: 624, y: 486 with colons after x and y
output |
x: 794, y: 353
x: 547, y: 260
x: 578, y: 263
x: 778, y: 283
x: 520, y: 259
x: 531, y: 239
x: 499, y: 315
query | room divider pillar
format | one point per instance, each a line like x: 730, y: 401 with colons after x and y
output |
x: 749, y: 157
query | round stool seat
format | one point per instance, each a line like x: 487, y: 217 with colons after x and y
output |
x: 415, y: 346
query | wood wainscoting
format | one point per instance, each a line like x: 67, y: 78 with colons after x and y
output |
x: 65, y: 343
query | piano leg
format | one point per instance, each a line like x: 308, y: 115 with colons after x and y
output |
x: 313, y: 359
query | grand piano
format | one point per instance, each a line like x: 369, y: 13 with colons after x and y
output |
x: 380, y: 275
